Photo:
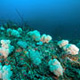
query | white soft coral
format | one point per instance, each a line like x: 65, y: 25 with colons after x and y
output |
x: 35, y: 57
x: 71, y: 49
x: 6, y: 48
x: 35, y: 35
x: 55, y: 67
x: 62, y: 43
x: 1, y: 71
x: 5, y: 72
x: 46, y: 38
x: 68, y: 48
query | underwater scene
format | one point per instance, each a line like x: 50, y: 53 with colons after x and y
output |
x: 39, y: 39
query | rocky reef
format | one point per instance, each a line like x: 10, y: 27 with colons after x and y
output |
x: 35, y: 56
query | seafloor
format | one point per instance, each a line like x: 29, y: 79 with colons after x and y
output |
x: 24, y: 69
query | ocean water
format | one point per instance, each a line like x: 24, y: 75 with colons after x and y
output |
x: 30, y: 55
x: 59, y: 18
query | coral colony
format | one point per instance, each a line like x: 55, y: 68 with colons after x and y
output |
x: 30, y: 55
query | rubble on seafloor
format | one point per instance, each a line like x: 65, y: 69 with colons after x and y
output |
x: 26, y: 66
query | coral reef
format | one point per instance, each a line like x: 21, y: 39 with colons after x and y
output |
x: 35, y: 57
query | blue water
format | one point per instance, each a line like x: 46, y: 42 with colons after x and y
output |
x: 54, y: 17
